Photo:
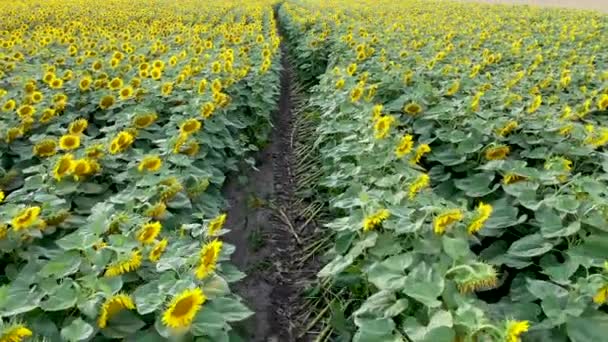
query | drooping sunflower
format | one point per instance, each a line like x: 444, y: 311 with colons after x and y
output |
x: 113, y: 305
x: 217, y: 224
x: 25, y: 218
x: 47, y: 115
x: 421, y: 150
x: 156, y: 211
x: 514, y: 330
x: 375, y: 220
x: 69, y: 142
x: 81, y: 168
x: 121, y: 142
x: 412, y: 108
x: 150, y: 163
x: 446, y: 219
x: 124, y: 265
x: 158, y: 250
x: 45, y: 147
x: 183, y: 308
x: 497, y: 153
x: 15, y: 333
x: 483, y: 214
x: 148, y: 232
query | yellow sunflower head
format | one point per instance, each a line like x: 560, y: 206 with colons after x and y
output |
x: 144, y: 120
x: 190, y: 126
x: 69, y: 142
x: 150, y: 163
x: 148, y: 232
x: 45, y: 147
x: 78, y: 126
x: 183, y: 307
x: 107, y: 102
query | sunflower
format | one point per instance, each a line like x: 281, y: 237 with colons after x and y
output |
x: 25, y: 218
x: 207, y: 110
x: 514, y: 329
x: 446, y: 219
x: 85, y: 83
x: 216, y: 67
x: 483, y: 214
x: 78, y: 126
x: 183, y: 307
x: 453, y: 89
x: 107, y: 102
x: 151, y: 163
x: 375, y: 220
x: 9, y: 105
x: 15, y: 333
x: 115, y: 84
x: 13, y: 133
x: 37, y: 97
x: 355, y: 94
x: 30, y: 87
x: 94, y: 151
x: 158, y: 250
x: 125, y: 265
x: 144, y: 120
x: 351, y: 69
x: 412, y: 108
x: 121, y: 142
x: 216, y: 86
x: 63, y: 167
x: 509, y: 127
x: 383, y: 126
x: 148, y: 232
x: 2, y: 196
x: 190, y: 126
x: 208, y: 258
x: 69, y: 142
x: 421, y: 150
x: 156, y: 211
x: 216, y: 224
x: 166, y: 88
x: 45, y: 147
x: 536, y: 102
x: 26, y: 111
x: 126, y: 93
x: 202, y: 86
x: 601, y: 296
x: 602, y: 103
x: 497, y: 153
x: 48, y: 77
x: 156, y: 73
x: 405, y: 146
x: 47, y: 115
x: 158, y: 64
x: 57, y: 83
x: 111, y: 306
x: 191, y: 149
x: 81, y: 168
x: 340, y: 83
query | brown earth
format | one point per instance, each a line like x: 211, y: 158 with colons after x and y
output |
x: 598, y: 5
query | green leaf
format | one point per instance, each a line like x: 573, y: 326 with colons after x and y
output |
x: 588, y: 328
x: 215, y: 286
x: 77, y: 330
x: 389, y: 274
x: 530, y: 246
x: 63, y: 265
x: 206, y: 321
x: 455, y: 248
x: 62, y: 298
x: 148, y: 297
x: 231, y: 309
x: 542, y: 289
x: 477, y: 185
x: 123, y: 324
x: 424, y: 284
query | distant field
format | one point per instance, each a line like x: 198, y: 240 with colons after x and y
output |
x: 601, y: 5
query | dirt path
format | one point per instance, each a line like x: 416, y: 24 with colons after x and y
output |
x: 598, y: 5
x: 257, y: 217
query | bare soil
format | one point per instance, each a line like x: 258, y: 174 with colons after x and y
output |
x: 259, y: 215
x: 598, y: 5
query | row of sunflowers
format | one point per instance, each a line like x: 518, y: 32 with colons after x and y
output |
x: 118, y: 122
x: 463, y: 157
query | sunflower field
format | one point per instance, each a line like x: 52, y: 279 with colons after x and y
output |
x: 118, y: 123
x: 463, y: 157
